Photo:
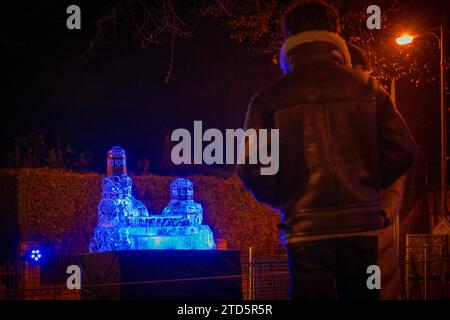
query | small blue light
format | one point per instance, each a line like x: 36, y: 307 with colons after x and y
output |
x: 35, y: 255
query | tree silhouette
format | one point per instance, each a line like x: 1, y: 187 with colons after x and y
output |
x: 257, y: 24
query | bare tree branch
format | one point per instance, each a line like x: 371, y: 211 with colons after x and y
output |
x: 151, y: 22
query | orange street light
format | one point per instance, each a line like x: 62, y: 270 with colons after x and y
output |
x: 404, y: 39
x: 407, y: 39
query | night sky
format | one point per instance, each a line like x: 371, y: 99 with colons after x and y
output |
x: 117, y: 94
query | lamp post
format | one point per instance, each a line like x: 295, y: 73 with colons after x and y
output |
x: 407, y: 39
x: 444, y: 159
x: 397, y: 219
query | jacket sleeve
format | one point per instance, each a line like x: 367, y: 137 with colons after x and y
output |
x: 397, y: 148
x: 262, y: 185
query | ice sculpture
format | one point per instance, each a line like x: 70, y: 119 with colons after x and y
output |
x: 116, y: 163
x: 116, y: 205
x: 124, y: 222
x: 179, y: 227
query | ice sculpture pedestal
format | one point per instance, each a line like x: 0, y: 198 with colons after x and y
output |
x: 176, y: 238
x: 152, y: 273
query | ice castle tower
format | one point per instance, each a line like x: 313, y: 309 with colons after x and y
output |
x: 124, y: 222
x: 116, y: 206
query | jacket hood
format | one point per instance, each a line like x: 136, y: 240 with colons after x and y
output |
x: 313, y: 47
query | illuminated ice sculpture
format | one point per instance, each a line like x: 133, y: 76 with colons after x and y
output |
x: 124, y: 222
x: 116, y: 204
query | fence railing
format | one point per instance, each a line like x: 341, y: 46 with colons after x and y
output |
x: 23, y: 280
x: 265, y: 274
x: 427, y: 267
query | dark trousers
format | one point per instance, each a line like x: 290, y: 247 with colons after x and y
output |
x: 332, y: 269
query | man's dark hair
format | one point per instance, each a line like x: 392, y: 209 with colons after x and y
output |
x: 309, y: 15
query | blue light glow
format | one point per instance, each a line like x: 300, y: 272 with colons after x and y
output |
x: 124, y: 222
x: 35, y: 255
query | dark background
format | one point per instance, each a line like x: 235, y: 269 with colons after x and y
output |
x: 117, y: 94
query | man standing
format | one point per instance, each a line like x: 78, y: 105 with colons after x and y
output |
x: 341, y: 142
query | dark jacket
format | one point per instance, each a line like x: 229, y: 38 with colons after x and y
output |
x: 341, y: 142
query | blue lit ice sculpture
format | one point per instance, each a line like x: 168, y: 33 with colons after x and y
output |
x: 124, y: 222
x: 179, y: 227
x: 116, y: 205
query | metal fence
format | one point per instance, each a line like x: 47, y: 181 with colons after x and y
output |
x: 265, y: 274
x: 427, y: 267
x: 23, y: 280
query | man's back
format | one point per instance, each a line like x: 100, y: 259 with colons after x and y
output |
x: 332, y: 120
x: 341, y: 141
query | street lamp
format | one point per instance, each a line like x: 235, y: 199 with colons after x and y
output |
x: 406, y: 39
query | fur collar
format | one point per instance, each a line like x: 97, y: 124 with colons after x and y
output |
x: 312, y: 36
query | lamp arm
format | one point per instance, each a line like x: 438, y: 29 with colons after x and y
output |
x: 435, y: 36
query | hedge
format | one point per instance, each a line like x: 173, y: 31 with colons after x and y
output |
x: 60, y: 208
